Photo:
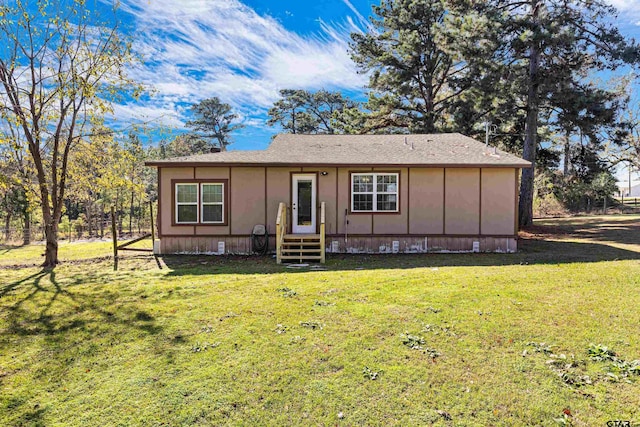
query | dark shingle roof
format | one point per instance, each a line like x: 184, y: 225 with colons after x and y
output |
x: 446, y: 149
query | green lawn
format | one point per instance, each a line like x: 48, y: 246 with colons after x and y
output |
x: 499, y: 339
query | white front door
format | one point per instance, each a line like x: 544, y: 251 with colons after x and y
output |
x: 303, y: 204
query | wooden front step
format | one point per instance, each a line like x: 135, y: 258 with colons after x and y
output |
x: 301, y: 247
x: 301, y: 237
x: 302, y: 258
x: 300, y: 243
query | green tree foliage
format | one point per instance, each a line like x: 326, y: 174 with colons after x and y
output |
x: 103, y: 172
x: 447, y: 65
x: 16, y: 186
x: 585, y: 108
x: 321, y: 112
x: 213, y: 122
x: 626, y: 138
x: 61, y: 67
x: 418, y: 60
x: 557, y: 42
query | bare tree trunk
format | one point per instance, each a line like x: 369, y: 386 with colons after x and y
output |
x: 26, y: 231
x: 87, y: 212
x: 119, y: 213
x: 7, y: 224
x: 102, y: 220
x: 51, y: 235
x: 131, y: 215
x: 531, y: 131
x: 139, y: 215
x: 567, y: 154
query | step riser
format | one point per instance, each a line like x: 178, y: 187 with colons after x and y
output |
x: 301, y: 247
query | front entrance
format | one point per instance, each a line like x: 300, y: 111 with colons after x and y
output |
x: 303, y: 204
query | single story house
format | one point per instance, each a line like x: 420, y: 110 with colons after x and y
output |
x: 342, y: 194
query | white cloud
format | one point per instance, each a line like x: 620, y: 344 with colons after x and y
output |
x: 628, y: 10
x: 196, y: 49
x: 126, y: 114
x: 625, y: 5
x: 364, y: 22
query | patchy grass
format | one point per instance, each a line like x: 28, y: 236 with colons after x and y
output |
x: 545, y: 336
x: 33, y: 255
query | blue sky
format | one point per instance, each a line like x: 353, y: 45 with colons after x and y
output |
x: 245, y: 51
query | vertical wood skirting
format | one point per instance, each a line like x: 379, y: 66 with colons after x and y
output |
x: 241, y: 245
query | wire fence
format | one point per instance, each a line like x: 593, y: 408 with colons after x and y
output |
x: 72, y: 233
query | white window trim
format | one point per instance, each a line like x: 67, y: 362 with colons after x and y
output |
x: 375, y: 192
x: 203, y: 204
x: 196, y: 203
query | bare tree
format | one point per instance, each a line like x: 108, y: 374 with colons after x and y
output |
x: 61, y: 68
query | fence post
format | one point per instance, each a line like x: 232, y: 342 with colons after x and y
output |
x: 115, y: 238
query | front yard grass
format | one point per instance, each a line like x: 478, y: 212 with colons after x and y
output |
x: 465, y: 340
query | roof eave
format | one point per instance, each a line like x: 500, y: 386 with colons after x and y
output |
x: 188, y: 164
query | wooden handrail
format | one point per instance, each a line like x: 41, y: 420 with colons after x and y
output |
x: 281, y: 229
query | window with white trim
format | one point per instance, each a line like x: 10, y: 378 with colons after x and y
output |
x: 374, y: 192
x: 186, y: 203
x: 212, y: 203
x: 200, y: 202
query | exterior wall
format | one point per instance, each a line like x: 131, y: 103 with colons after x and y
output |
x: 165, y: 193
x: 426, y: 201
x: 248, y: 206
x: 356, y: 223
x: 498, y: 213
x: 439, y: 209
x: 462, y: 201
x: 278, y: 190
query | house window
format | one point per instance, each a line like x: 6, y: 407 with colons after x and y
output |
x: 186, y: 203
x: 374, y: 192
x: 200, y: 203
x: 212, y: 203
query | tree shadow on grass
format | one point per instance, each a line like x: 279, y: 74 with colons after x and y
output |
x: 531, y: 251
x: 61, y: 327
x: 79, y: 311
x: 5, y: 248
x: 616, y: 229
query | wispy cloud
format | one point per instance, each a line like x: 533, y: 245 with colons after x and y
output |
x: 624, y: 5
x: 364, y: 22
x: 629, y: 10
x: 197, y: 49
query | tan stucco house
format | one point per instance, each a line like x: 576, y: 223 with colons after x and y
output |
x: 318, y: 194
